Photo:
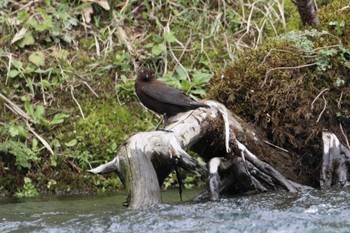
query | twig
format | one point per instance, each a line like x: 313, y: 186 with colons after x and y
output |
x: 97, y: 47
x: 250, y: 16
x: 344, y: 8
x: 42, y: 140
x: 186, y: 45
x: 75, y: 100
x: 88, y: 86
x: 25, y: 6
x: 282, y: 149
x: 328, y: 46
x: 14, y: 108
x: 9, y: 67
x: 229, y: 48
x: 124, y: 7
x: 242, y: 8
x: 345, y: 137
x: 324, y: 108
x: 178, y: 62
x: 280, y: 7
x: 116, y: 85
x: 260, y: 31
x: 78, y: 169
x: 42, y: 90
x: 270, y: 52
x: 312, y: 104
x: 284, y: 68
x: 282, y: 50
x: 123, y: 37
x: 339, y: 101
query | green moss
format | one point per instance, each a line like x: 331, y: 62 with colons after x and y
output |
x: 275, y: 87
x: 293, y: 21
x: 105, y: 127
x: 336, y: 21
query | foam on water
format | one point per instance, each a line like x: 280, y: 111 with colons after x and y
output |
x: 314, y: 211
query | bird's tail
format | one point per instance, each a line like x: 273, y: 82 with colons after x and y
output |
x: 197, y: 105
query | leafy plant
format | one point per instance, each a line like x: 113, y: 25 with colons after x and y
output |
x: 28, y: 189
x: 191, y: 81
x: 16, y: 130
x: 24, y: 155
x: 339, y: 26
x: 38, y: 115
x: 84, y: 158
x: 125, y: 88
x: 323, y: 59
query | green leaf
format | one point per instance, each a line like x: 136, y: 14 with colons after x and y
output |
x: 199, y: 91
x: 17, y: 64
x: 45, y: 83
x: 201, y: 78
x: 29, y: 69
x: 20, y: 151
x: 149, y: 45
x: 27, y: 180
x: 17, y: 130
x: 37, y: 58
x: 39, y: 113
x: 169, y: 37
x: 53, y: 160
x: 13, y: 73
x: 185, y: 85
x: 182, y: 74
x: 158, y: 49
x: 171, y: 81
x: 19, y: 35
x: 60, y: 54
x: 35, y: 144
x: 42, y: 26
x: 59, y: 118
x: 71, y: 143
x: 29, y: 108
x: 22, y: 16
x: 28, y: 39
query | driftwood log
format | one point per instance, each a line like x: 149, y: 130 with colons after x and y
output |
x: 238, y: 159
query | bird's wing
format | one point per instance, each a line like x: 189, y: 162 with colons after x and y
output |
x: 168, y: 95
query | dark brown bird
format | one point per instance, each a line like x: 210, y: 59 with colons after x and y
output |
x: 161, y: 98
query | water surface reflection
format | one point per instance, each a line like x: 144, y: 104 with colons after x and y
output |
x: 313, y: 211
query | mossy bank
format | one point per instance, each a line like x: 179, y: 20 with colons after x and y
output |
x: 295, y: 86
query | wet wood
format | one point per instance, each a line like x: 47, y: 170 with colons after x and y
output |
x: 147, y: 158
x: 335, y: 162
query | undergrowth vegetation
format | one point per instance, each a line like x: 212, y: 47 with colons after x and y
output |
x: 67, y: 69
x: 295, y: 86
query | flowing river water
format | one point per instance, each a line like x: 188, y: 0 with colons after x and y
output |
x: 312, y: 211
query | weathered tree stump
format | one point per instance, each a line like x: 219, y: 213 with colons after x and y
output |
x: 233, y: 149
x: 336, y: 162
x: 307, y: 11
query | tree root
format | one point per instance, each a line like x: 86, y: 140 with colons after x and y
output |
x: 147, y: 158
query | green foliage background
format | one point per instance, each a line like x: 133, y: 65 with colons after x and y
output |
x: 67, y: 70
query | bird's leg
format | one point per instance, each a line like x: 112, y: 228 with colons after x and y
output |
x: 178, y: 177
x: 161, y: 121
x: 164, y: 120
